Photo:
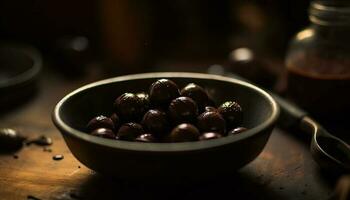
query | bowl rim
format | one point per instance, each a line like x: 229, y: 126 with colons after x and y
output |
x: 31, y: 71
x: 164, y: 147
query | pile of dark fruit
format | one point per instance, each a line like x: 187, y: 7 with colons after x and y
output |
x: 167, y: 114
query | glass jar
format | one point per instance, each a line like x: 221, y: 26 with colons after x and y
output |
x: 318, y: 62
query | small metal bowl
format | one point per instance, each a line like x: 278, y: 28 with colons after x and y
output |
x: 19, y: 69
x: 149, y: 161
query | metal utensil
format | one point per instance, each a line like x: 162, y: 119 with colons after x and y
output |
x: 330, y: 152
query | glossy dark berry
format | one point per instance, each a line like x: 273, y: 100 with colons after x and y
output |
x: 10, y: 139
x: 156, y: 122
x: 41, y: 141
x: 145, y: 138
x: 100, y: 122
x: 232, y: 113
x: 58, y: 157
x: 129, y: 107
x: 210, y: 108
x: 162, y: 92
x: 144, y: 98
x: 104, y: 133
x: 184, y: 133
x: 130, y: 131
x: 209, y: 136
x: 211, y: 122
x: 197, y: 93
x: 116, y: 121
x: 165, y: 114
x: 211, y: 102
x: 237, y: 130
x: 182, y: 110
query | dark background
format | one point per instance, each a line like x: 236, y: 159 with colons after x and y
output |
x: 135, y: 36
x: 88, y: 40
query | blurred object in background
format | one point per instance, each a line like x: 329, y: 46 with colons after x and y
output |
x: 342, y: 189
x: 245, y: 62
x: 41, y: 22
x: 195, y: 29
x: 266, y: 25
x: 54, y: 28
x: 133, y: 36
x: 71, y: 55
x: 261, y: 35
x: 126, y: 31
x: 318, y: 64
x: 216, y: 69
x: 20, y: 66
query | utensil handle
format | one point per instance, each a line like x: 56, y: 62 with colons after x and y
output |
x: 342, y: 189
x: 290, y: 114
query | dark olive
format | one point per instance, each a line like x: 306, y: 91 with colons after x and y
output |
x: 232, y: 113
x: 130, y: 131
x: 156, y: 122
x: 100, y: 122
x: 211, y: 102
x: 144, y: 98
x: 184, y: 133
x: 197, y: 93
x: 183, y: 109
x: 209, y: 136
x: 10, y: 139
x: 145, y: 138
x: 116, y: 121
x: 149, y: 117
x: 210, y: 108
x: 41, y: 141
x: 104, y: 133
x: 237, y: 130
x: 129, y: 107
x: 58, y: 157
x: 162, y: 92
x: 211, y: 122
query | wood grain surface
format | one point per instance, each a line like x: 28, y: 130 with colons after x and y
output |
x: 284, y: 170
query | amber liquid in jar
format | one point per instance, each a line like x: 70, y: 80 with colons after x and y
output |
x: 320, y: 85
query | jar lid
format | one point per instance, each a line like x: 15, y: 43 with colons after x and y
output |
x: 330, y: 12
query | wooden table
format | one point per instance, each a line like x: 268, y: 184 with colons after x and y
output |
x: 284, y: 170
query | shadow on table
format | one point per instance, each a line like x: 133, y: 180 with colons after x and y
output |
x: 16, y: 100
x: 236, y: 186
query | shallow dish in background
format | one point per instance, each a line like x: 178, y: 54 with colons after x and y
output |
x: 19, y: 69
